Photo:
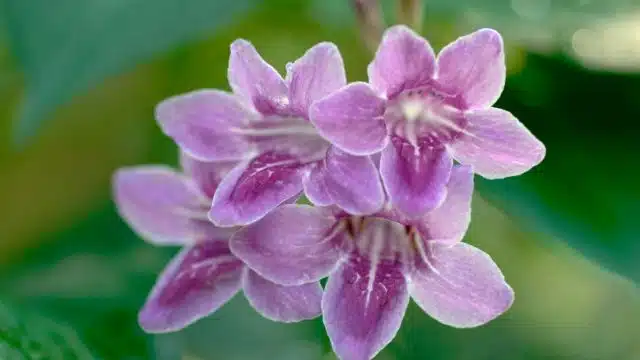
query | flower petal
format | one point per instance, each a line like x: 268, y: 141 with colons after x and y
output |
x: 253, y: 189
x: 352, y: 119
x: 497, y: 145
x: 158, y: 204
x: 363, y: 306
x: 202, y: 124
x: 315, y: 75
x: 449, y: 221
x: 353, y: 182
x: 415, y: 180
x: 473, y: 67
x: 255, y: 80
x: 404, y: 60
x: 292, y: 245
x: 315, y: 186
x: 460, y: 286
x: 206, y: 174
x: 196, y: 283
x: 282, y: 303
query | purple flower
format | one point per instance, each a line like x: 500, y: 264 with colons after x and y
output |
x: 376, y: 263
x: 421, y: 112
x: 169, y: 208
x: 264, y: 125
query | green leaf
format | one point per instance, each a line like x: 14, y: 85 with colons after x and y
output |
x: 31, y: 337
x: 586, y: 190
x: 65, y: 47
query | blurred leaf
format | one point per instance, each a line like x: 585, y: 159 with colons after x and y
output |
x: 86, y: 41
x: 30, y: 337
x: 107, y: 272
x: 586, y: 190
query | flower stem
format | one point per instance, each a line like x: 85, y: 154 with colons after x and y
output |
x: 409, y: 12
x: 370, y: 21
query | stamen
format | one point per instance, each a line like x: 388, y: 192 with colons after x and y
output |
x: 374, y: 259
x: 192, y: 214
x: 276, y: 131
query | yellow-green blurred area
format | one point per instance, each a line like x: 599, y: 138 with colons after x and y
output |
x: 79, y: 80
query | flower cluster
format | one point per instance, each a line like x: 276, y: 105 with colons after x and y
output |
x: 377, y: 161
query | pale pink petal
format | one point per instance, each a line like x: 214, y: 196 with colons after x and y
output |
x: 450, y: 220
x: 497, y: 145
x: 292, y: 245
x: 404, y: 61
x: 159, y: 204
x: 315, y: 186
x: 352, y: 119
x: 353, y: 182
x: 315, y: 75
x: 460, y: 286
x: 282, y: 303
x: 202, y: 123
x: 473, y: 67
x: 255, y: 80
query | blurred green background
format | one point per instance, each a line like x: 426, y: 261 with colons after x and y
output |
x: 78, y: 83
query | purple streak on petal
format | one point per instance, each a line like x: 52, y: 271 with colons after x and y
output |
x: 315, y: 75
x: 404, y: 60
x: 460, y: 286
x: 473, y: 67
x: 282, y: 303
x: 363, y: 307
x: 315, y: 186
x: 253, y: 189
x: 292, y: 245
x: 287, y: 134
x: 352, y: 119
x: 255, y: 80
x: 196, y: 283
x: 201, y: 123
x: 353, y: 182
x: 158, y: 203
x: 206, y: 174
x: 497, y: 145
x: 415, y: 180
x: 449, y: 221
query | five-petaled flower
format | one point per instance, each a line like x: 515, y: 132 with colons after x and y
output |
x: 264, y: 124
x: 375, y: 263
x: 421, y: 113
x: 170, y: 208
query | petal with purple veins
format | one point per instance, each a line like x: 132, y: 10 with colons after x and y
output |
x: 497, y: 145
x: 161, y: 205
x: 292, y: 245
x: 352, y: 119
x: 415, y: 179
x: 282, y: 303
x: 202, y: 123
x: 315, y: 75
x: 459, y: 285
x: 353, y: 182
x: 449, y: 221
x: 251, y: 77
x: 206, y: 174
x: 198, y: 281
x: 404, y: 60
x: 253, y: 189
x: 473, y: 67
x: 363, y: 306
